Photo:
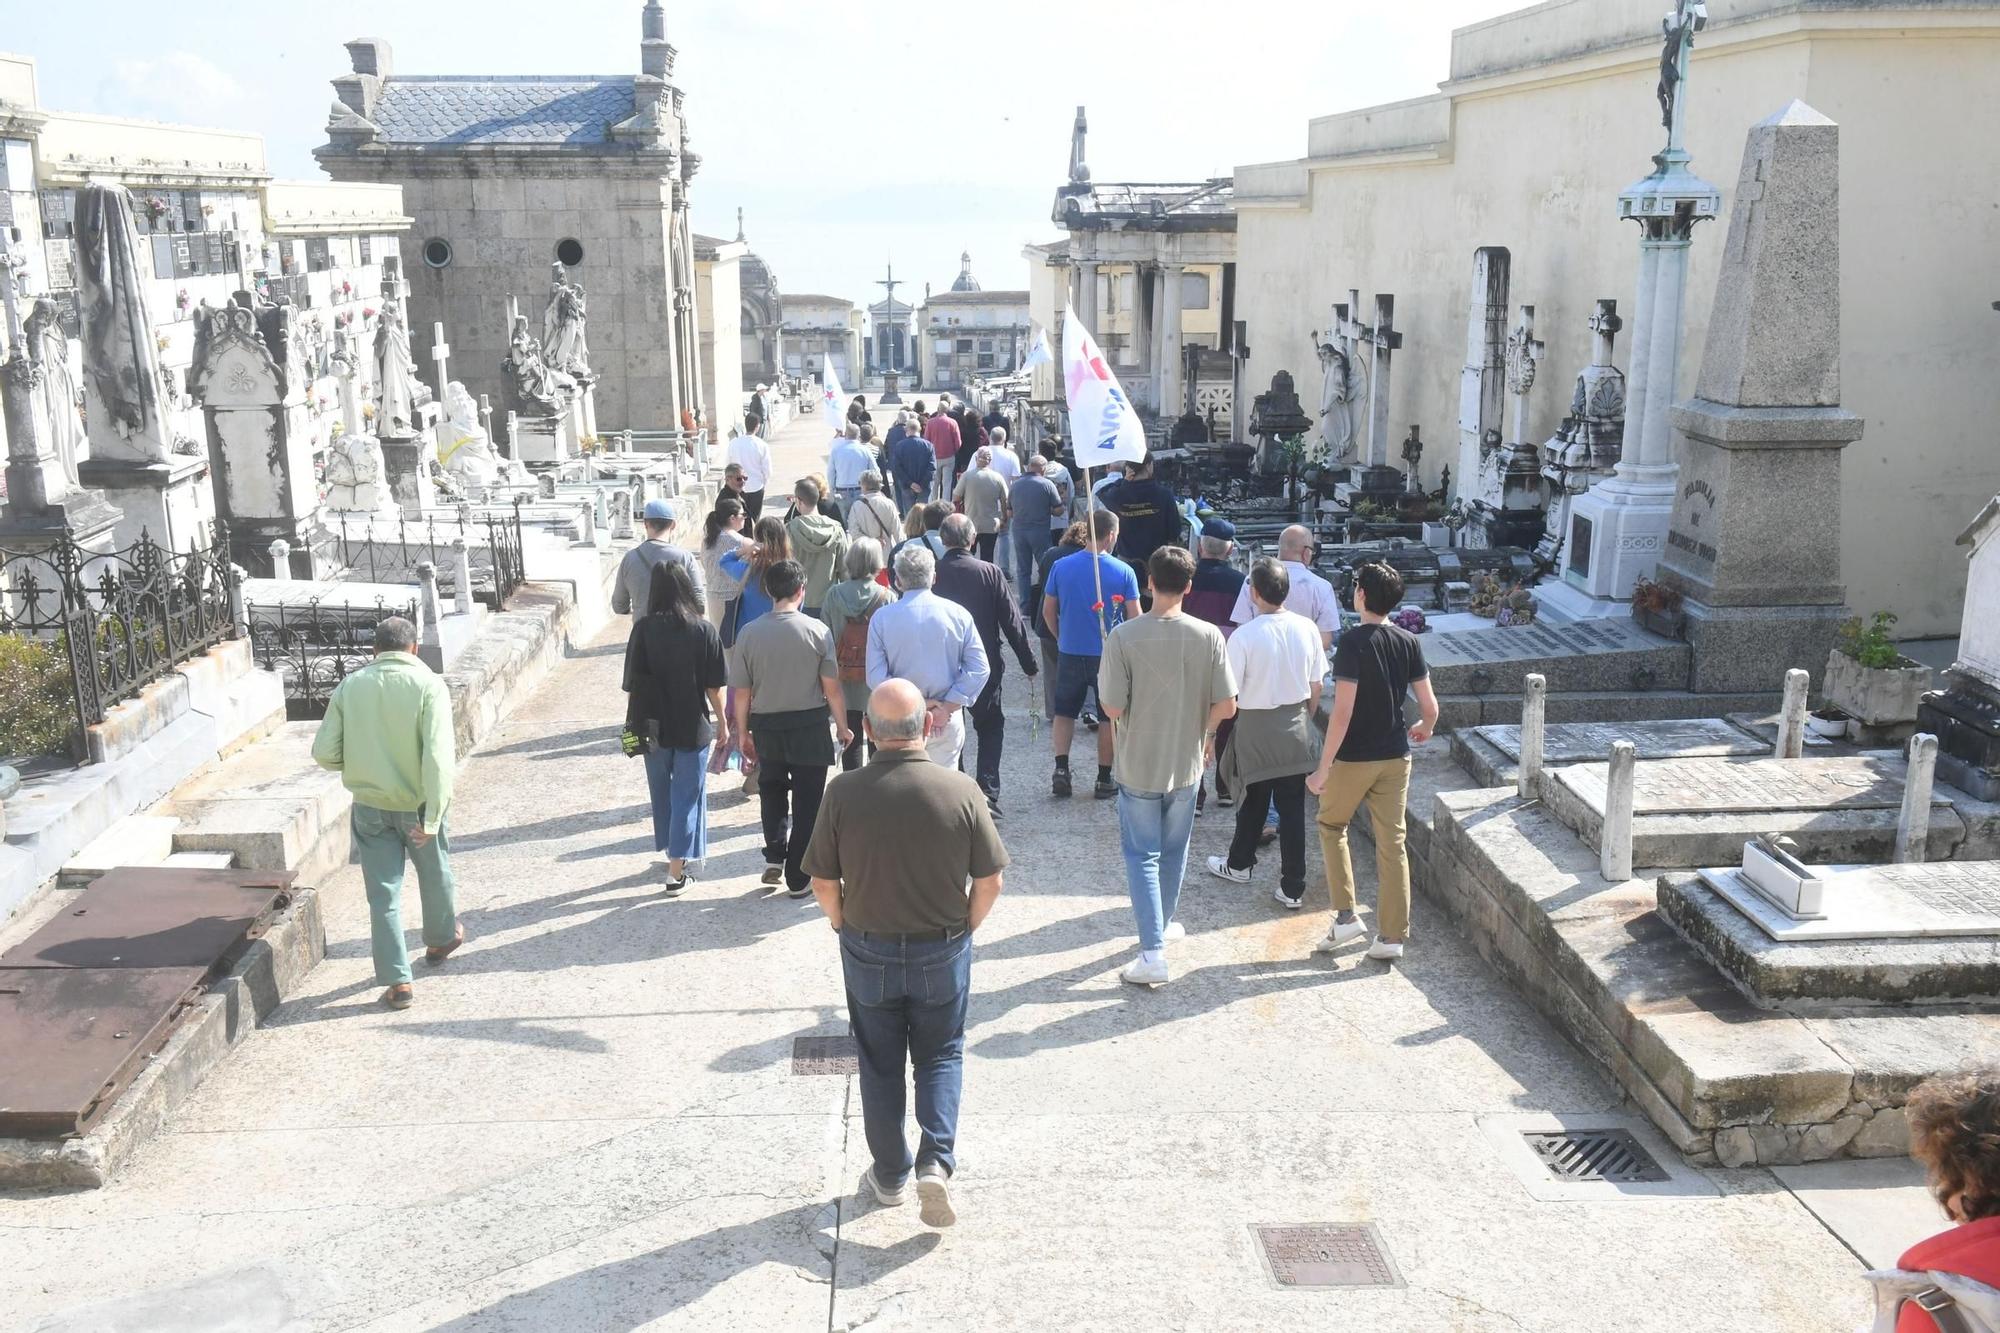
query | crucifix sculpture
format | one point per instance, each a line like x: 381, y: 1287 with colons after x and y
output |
x: 1689, y: 17
x: 891, y: 282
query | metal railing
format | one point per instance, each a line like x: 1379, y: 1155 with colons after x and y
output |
x: 386, y: 550
x: 314, y: 646
x: 123, y: 618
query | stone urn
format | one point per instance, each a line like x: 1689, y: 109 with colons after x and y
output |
x: 1876, y: 697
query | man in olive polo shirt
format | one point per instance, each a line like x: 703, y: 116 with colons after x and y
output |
x: 895, y: 844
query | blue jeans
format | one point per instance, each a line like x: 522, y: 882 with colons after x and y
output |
x: 906, y: 1000
x: 1154, y: 828
x: 1021, y: 564
x: 678, y: 780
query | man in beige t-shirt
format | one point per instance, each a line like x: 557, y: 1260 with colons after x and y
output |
x: 1165, y: 681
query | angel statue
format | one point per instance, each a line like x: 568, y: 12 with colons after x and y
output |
x: 48, y: 350
x: 1342, y: 391
x: 562, y: 325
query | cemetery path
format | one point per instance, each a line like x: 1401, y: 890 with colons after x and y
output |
x: 590, y: 1121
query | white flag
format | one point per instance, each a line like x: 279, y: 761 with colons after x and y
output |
x: 1104, y: 426
x: 1040, y: 354
x: 830, y: 390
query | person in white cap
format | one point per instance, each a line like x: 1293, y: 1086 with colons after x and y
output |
x: 635, y: 572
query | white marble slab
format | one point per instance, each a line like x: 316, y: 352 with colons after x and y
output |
x: 1751, y: 786
x: 1936, y: 900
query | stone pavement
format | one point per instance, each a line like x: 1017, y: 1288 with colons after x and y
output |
x: 588, y: 1120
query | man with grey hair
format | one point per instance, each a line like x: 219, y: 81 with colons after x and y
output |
x: 389, y: 733
x: 873, y: 514
x: 895, y: 847
x: 982, y: 494
x: 1035, y: 502
x: 933, y: 644
x: 981, y: 589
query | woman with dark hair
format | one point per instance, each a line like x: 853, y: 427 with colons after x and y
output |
x: 674, y: 676
x: 857, y: 411
x: 722, y: 534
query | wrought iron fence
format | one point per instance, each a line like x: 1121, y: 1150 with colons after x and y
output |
x: 388, y: 550
x: 123, y: 618
x: 314, y: 646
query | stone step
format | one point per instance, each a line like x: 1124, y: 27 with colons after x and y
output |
x: 1503, y: 707
x: 201, y: 860
x: 270, y: 806
x: 136, y: 840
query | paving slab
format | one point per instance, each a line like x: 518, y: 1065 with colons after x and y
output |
x: 1874, y: 1207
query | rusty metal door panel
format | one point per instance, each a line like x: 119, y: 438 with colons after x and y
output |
x: 71, y: 1039
x: 154, y: 917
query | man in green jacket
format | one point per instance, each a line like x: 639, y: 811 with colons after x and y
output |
x: 388, y: 733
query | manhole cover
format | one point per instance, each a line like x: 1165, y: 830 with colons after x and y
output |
x: 1596, y: 1154
x: 825, y: 1055
x: 1326, y: 1257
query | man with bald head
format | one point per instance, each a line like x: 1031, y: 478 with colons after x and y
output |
x: 896, y: 844
x: 1311, y: 596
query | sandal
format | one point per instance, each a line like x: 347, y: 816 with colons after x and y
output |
x: 436, y: 956
x: 400, y: 996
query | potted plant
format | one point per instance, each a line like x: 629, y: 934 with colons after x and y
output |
x: 1828, y: 722
x: 1436, y: 532
x: 1658, y: 608
x: 1868, y: 679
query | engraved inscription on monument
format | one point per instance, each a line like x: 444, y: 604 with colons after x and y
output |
x: 1538, y: 640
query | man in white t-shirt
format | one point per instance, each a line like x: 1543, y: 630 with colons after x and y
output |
x: 1277, y: 660
x: 1311, y: 596
x: 749, y: 452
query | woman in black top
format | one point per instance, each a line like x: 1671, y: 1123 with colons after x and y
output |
x: 857, y: 411
x: 673, y: 679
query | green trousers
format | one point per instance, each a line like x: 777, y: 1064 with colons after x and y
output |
x: 381, y: 841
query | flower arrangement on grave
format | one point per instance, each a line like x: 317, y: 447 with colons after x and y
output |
x: 155, y: 207
x: 1658, y: 598
x: 208, y: 210
x: 1506, y: 604
x: 182, y: 300
x: 368, y: 411
x: 590, y: 444
x: 346, y: 287
x: 1874, y: 683
x: 1411, y: 619
x: 162, y: 341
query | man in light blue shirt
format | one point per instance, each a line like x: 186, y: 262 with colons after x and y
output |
x: 851, y: 457
x: 933, y: 644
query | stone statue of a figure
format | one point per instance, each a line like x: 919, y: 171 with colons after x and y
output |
x: 48, y: 349
x: 1678, y: 28
x: 463, y: 446
x: 563, y: 345
x: 1341, y: 392
x: 395, y: 376
x: 356, y: 476
x: 537, y: 386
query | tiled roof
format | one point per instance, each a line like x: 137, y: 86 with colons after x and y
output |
x: 482, y: 109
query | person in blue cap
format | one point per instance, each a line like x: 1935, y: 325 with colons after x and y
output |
x: 633, y: 589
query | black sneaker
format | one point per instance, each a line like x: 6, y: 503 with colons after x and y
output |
x: 1059, y: 785
x: 1089, y: 720
x: 993, y: 804
x: 1224, y: 799
x: 1105, y: 789
x: 774, y: 875
x: 802, y: 891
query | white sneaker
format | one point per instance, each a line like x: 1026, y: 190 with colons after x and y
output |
x: 1385, y: 951
x: 934, y: 1193
x: 1339, y: 933
x: 1219, y: 867
x: 1290, y: 903
x: 1174, y: 931
x: 1139, y: 972
x: 886, y: 1197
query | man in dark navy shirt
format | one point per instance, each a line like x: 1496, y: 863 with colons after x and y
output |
x: 1148, y: 517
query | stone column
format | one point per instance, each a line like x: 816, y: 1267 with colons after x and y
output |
x: 1086, y: 295
x: 1171, y: 392
x: 461, y: 556
x: 1792, y: 716
x: 1534, y: 712
x: 1483, y: 382
x: 430, y: 611
x: 1614, y: 848
x: 1913, y: 826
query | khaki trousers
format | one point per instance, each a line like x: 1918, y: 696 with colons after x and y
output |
x: 1385, y: 786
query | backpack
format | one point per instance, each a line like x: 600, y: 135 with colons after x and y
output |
x: 852, y: 650
x: 1955, y: 1303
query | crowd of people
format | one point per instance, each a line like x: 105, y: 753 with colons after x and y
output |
x: 806, y: 643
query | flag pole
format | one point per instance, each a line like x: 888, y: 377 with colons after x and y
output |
x: 1096, y: 566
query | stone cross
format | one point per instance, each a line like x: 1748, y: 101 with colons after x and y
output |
x: 441, y: 353
x: 1614, y: 847
x: 1524, y: 356
x: 1678, y: 28
x: 461, y: 555
x: 1349, y: 333
x: 1534, y: 712
x: 1913, y: 826
x: 1383, y: 340
x: 1604, y: 326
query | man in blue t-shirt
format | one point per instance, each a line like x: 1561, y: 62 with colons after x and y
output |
x: 1080, y: 613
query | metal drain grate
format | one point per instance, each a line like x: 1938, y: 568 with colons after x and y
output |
x: 825, y: 1055
x: 1596, y: 1154
x: 1299, y: 1257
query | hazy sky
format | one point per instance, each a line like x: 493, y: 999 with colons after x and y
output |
x: 912, y: 133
